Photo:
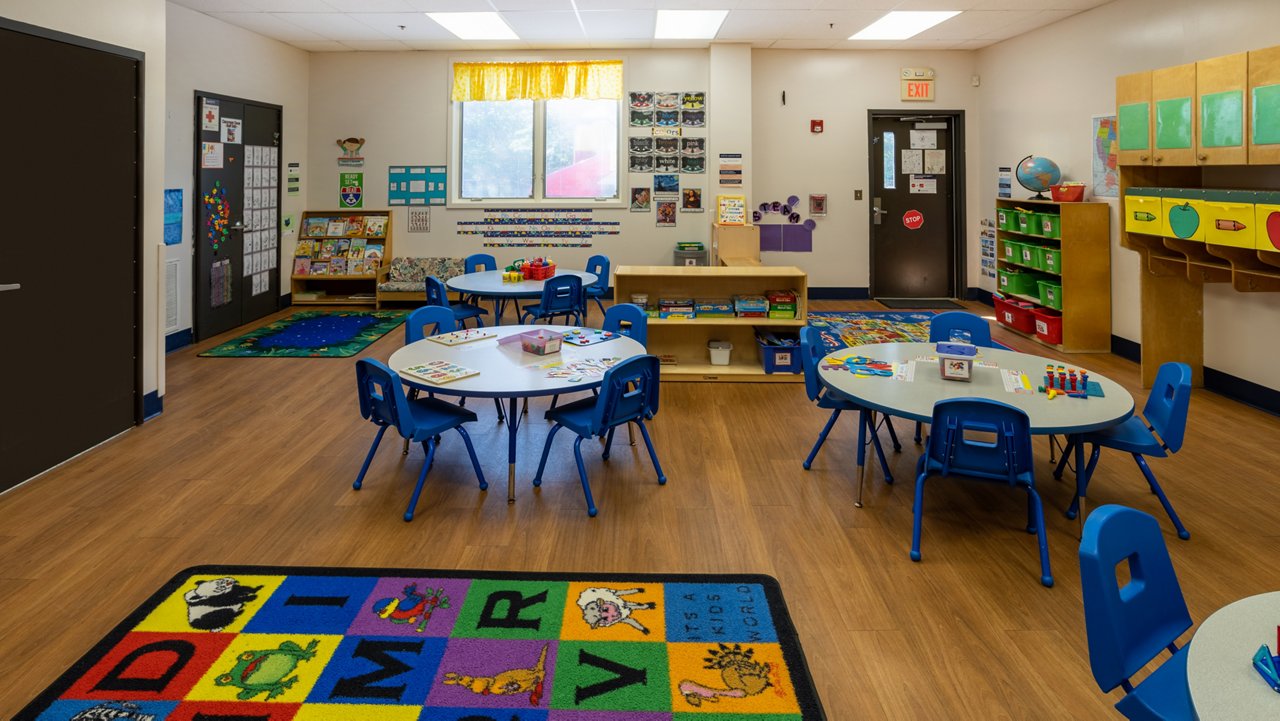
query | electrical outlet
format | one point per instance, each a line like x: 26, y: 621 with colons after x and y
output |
x: 857, y: 195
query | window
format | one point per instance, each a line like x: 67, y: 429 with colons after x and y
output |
x: 525, y: 133
x: 890, y: 162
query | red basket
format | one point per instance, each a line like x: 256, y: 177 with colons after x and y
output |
x: 1048, y: 325
x: 1015, y: 314
x: 541, y: 272
x: 1067, y: 193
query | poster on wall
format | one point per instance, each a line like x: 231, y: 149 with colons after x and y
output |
x: 416, y: 184
x: 691, y: 200
x: 731, y: 169
x: 1004, y: 182
x: 293, y: 179
x: 666, y: 187
x: 209, y: 115
x: 173, y: 216
x: 1106, y: 170
x: 419, y: 220
x: 351, y: 190
x: 641, y: 199
x: 231, y: 130
x: 211, y: 156
x: 666, y: 214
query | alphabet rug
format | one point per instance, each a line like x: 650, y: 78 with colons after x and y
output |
x: 321, y: 644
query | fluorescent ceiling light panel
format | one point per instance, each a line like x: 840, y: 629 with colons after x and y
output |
x: 475, y: 26
x: 900, y: 25
x: 688, y: 24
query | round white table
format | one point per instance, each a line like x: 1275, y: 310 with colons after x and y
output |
x: 488, y: 284
x: 914, y: 400
x: 507, y: 372
x: 1220, y: 673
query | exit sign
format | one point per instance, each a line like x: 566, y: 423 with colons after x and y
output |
x: 917, y: 89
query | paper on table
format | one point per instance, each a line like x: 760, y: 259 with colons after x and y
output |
x: 904, y: 371
x: 1016, y: 381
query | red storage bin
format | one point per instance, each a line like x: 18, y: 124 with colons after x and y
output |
x: 1015, y: 314
x: 1048, y: 325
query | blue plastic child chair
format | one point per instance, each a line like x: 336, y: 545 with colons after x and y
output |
x: 478, y: 263
x: 957, y: 325
x: 1129, y: 625
x: 628, y: 394
x: 422, y: 420
x: 438, y: 294
x: 1002, y: 454
x: 599, y: 266
x: 1166, y: 416
x: 434, y: 320
x: 810, y: 354
x: 561, y: 296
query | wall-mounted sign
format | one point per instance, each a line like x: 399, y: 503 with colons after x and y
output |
x: 913, y: 219
x: 917, y: 84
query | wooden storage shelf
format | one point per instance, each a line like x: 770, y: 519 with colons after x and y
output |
x: 686, y: 338
x: 346, y: 289
x: 1084, y: 271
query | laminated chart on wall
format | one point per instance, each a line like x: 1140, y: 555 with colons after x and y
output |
x: 261, y: 215
x: 416, y: 184
x: 538, y: 228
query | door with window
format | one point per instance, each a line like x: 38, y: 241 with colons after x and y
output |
x: 916, y: 200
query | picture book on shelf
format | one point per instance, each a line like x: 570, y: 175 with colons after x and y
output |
x: 357, y: 248
x: 356, y: 266
x: 340, y: 248
x: 305, y: 249
x: 355, y: 225
x: 302, y: 266
x: 373, y: 251
x: 375, y: 225
x: 315, y: 227
x: 439, y: 372
x: 327, y: 248
x: 319, y: 267
x: 338, y: 266
x: 336, y: 228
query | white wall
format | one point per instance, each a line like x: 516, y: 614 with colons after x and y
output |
x: 137, y: 25
x: 209, y: 55
x: 839, y: 87
x: 1039, y: 92
x: 399, y: 103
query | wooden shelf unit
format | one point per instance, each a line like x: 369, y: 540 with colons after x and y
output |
x: 1085, y: 270
x: 341, y: 289
x: 686, y: 339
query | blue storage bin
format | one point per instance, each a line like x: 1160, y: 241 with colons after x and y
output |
x: 779, y: 358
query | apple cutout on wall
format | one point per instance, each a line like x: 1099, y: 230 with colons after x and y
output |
x: 1273, y: 229
x: 1184, y: 220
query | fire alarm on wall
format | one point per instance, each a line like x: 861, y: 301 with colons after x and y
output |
x: 815, y: 126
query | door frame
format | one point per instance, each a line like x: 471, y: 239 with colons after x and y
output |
x: 195, y: 185
x: 959, y: 278
x: 139, y: 115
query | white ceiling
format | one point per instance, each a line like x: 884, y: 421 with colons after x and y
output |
x: 345, y: 25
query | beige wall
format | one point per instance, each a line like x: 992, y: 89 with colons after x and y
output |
x: 137, y: 25
x: 248, y: 66
x: 1039, y: 92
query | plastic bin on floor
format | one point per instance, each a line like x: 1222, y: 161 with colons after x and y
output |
x: 1015, y: 314
x: 1048, y: 325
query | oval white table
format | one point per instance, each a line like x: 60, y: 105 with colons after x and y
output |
x: 507, y: 372
x: 914, y: 400
x: 488, y: 284
x: 1220, y: 671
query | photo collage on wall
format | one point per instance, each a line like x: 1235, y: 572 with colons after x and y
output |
x: 668, y: 140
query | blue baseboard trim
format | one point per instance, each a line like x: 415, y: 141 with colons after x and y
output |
x: 839, y: 293
x: 1242, y: 391
x: 1126, y: 349
x: 178, y: 339
x: 152, y: 405
x: 981, y: 295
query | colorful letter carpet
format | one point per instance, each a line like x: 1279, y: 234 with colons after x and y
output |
x: 317, y: 644
x: 840, y: 329
x: 312, y: 334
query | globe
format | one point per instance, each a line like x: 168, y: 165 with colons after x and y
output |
x: 1037, y: 174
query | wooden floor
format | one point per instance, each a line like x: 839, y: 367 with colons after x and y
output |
x: 252, y: 463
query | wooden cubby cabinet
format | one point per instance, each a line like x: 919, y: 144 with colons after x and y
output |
x: 686, y: 339
x: 347, y: 289
x: 1085, y: 270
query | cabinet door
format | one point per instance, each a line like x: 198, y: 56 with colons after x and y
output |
x: 1264, y: 107
x: 1133, y: 114
x: 1173, y: 91
x: 1220, y: 105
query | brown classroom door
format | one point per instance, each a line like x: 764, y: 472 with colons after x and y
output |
x: 916, y: 234
x: 69, y: 256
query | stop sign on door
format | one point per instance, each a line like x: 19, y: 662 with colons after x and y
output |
x: 913, y: 219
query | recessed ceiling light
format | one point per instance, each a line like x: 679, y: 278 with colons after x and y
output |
x: 475, y: 26
x: 688, y: 24
x: 900, y: 25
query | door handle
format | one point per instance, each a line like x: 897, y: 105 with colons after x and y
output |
x: 10, y: 286
x: 875, y: 208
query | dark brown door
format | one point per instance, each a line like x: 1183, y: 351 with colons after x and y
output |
x: 69, y: 252
x: 236, y: 207
x: 913, y: 208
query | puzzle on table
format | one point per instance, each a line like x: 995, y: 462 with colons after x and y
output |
x: 466, y: 335
x: 577, y: 370
x: 588, y: 336
x: 272, y: 643
x: 439, y: 372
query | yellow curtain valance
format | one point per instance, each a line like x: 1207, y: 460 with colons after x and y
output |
x: 590, y: 80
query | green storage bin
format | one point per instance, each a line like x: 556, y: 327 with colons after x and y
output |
x: 1024, y: 221
x: 1051, y: 260
x: 1012, y: 251
x: 1051, y: 225
x: 1018, y: 281
x: 1050, y: 293
x: 1033, y: 223
x: 1031, y: 255
x: 1006, y: 219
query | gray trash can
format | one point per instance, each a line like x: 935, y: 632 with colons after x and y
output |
x: 691, y: 257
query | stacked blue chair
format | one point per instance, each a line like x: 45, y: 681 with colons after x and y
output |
x: 438, y: 319
x: 422, y: 420
x: 478, y: 263
x: 561, y: 296
x: 957, y: 325
x: 628, y: 394
x: 1007, y: 459
x: 598, y: 265
x: 810, y: 354
x: 1130, y: 625
x: 438, y: 294
x: 1166, y: 417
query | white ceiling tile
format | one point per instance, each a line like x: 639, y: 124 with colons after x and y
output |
x: 974, y: 24
x: 1019, y: 26
x: 833, y: 25
x: 321, y: 46
x: 545, y: 26
x: 557, y: 6
x: 371, y: 6
x: 919, y: 5
x: 594, y: 5
x: 332, y: 26
x: 698, y: 4
x: 756, y: 24
x: 269, y: 25
x: 376, y: 45
x: 416, y: 26
x: 793, y: 44
x: 293, y: 6
x: 217, y: 6
x: 451, y: 6
x: 619, y: 24
x: 452, y: 43
x: 881, y: 5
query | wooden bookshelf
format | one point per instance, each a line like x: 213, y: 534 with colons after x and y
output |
x: 346, y: 288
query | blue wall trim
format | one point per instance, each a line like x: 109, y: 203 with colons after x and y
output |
x: 152, y: 405
x: 839, y: 293
x: 178, y: 339
x: 1126, y: 349
x: 1242, y: 391
x: 981, y: 295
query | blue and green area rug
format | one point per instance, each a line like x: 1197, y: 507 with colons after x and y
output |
x: 312, y: 334
x: 331, y: 644
x: 840, y: 329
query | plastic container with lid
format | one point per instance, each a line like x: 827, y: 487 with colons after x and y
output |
x: 720, y: 350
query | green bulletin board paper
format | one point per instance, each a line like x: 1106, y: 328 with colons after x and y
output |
x: 1134, y: 121
x: 1266, y: 115
x: 1222, y: 119
x: 1173, y: 123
